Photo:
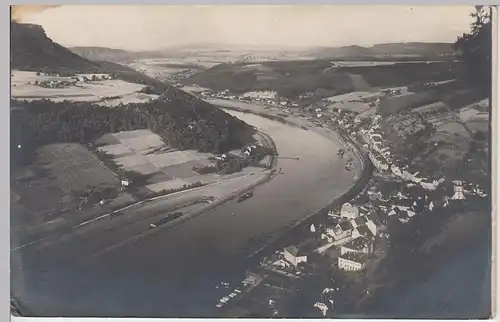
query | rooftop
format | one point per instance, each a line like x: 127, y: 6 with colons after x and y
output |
x: 358, y: 243
x: 364, y: 231
x: 374, y: 217
x: 293, y: 250
x: 355, y: 257
x: 345, y: 225
x: 360, y: 221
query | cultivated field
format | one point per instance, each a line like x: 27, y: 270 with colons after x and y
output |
x: 352, y: 101
x: 61, y: 174
x: 105, y: 92
x: 144, y: 153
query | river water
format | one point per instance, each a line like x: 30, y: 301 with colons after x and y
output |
x: 174, y: 273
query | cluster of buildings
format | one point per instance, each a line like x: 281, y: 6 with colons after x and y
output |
x: 64, y: 82
x: 264, y: 97
x: 356, y: 234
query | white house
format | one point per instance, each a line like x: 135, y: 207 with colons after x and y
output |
x: 293, y: 255
x: 372, y: 227
x: 125, y: 183
x: 349, y: 211
x: 431, y: 185
x: 351, y: 262
x: 341, y: 231
x: 403, y: 217
x: 459, y: 194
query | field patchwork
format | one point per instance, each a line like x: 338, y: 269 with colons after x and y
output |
x: 160, y: 167
x: 109, y: 92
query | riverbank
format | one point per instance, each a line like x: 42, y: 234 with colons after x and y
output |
x: 296, y: 230
x: 295, y: 233
x: 178, y: 270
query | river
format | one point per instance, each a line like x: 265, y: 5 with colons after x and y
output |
x: 173, y: 273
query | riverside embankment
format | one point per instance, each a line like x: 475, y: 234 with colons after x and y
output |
x: 177, y: 270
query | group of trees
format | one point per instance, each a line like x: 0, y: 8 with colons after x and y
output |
x: 475, y: 48
x: 180, y: 120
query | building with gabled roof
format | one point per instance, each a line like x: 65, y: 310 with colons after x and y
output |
x: 361, y: 245
x: 349, y: 211
x: 294, y: 256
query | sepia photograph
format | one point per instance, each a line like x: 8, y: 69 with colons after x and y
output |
x: 251, y: 161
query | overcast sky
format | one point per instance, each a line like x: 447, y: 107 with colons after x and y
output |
x: 154, y: 27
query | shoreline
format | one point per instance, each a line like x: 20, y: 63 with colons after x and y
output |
x: 354, y: 189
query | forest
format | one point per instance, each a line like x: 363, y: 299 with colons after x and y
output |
x: 182, y: 121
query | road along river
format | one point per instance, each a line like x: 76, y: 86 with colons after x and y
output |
x: 173, y: 273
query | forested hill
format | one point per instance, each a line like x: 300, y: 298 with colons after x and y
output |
x: 181, y: 123
x: 180, y: 119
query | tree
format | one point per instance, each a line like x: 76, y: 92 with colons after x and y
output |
x: 475, y: 47
x: 479, y: 136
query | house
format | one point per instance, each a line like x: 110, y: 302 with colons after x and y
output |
x: 293, y: 255
x: 403, y: 217
x: 332, y: 214
x: 378, y: 162
x: 340, y: 231
x: 351, y: 262
x: 80, y: 79
x: 375, y: 218
x: 357, y: 222
x: 431, y: 185
x: 458, y: 191
x: 362, y: 231
x: 372, y: 227
x: 360, y: 245
x: 349, y: 211
x: 125, y: 183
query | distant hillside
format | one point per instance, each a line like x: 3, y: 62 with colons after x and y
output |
x: 113, y: 55
x: 31, y: 49
x: 414, y: 50
x: 292, y: 78
x: 181, y: 120
x: 287, y: 78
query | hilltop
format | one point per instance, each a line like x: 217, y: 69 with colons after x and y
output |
x: 113, y: 55
x: 31, y: 49
x: 292, y: 78
x: 399, y: 51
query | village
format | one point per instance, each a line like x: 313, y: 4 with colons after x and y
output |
x: 354, y: 238
x: 54, y: 80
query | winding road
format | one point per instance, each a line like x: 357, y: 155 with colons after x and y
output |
x: 173, y: 272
